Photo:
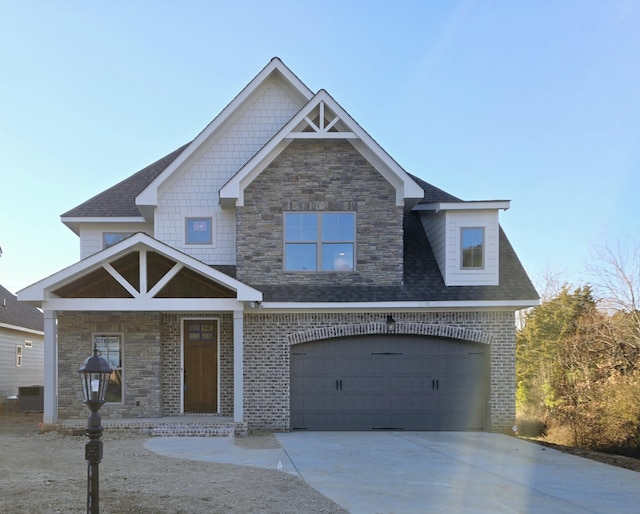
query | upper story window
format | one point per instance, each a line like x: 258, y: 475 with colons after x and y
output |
x: 319, y: 241
x: 18, y: 356
x: 472, y: 247
x: 111, y: 238
x: 198, y: 231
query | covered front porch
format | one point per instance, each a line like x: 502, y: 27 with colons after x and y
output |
x: 124, y: 296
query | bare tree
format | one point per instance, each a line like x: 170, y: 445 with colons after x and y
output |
x: 615, y: 269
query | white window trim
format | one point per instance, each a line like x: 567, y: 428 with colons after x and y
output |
x: 185, y: 232
x: 123, y: 234
x: 18, y: 356
x: 484, y: 249
x: 28, y: 343
x: 319, y: 242
x: 122, y: 360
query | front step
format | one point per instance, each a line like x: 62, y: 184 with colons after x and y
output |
x: 174, y: 426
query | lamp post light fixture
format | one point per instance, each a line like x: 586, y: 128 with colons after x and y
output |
x: 94, y: 375
x: 391, y: 324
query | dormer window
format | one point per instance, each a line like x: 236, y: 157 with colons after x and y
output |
x: 472, y: 247
x: 319, y: 241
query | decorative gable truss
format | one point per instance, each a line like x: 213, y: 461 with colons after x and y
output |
x: 323, y: 118
x: 136, y: 274
x: 321, y: 123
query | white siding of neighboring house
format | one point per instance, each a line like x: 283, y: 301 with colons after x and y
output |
x: 194, y: 192
x: 91, y: 234
x: 455, y: 276
x: 32, y: 370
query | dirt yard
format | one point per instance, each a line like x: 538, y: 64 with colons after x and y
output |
x: 47, y: 473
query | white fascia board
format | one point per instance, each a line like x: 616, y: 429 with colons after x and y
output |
x: 480, y: 205
x: 136, y: 304
x: 400, y: 306
x: 74, y: 222
x: 406, y: 188
x: 21, y: 329
x: 149, y: 196
x: 38, y: 292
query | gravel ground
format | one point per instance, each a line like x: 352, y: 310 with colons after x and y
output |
x: 47, y: 473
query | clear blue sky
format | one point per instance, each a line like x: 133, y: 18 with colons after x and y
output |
x: 537, y: 102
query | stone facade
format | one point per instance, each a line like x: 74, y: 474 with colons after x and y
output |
x: 142, y: 363
x: 152, y: 350
x: 321, y: 175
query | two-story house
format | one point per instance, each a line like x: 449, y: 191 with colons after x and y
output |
x: 282, y: 269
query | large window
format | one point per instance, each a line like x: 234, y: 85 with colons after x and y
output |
x: 110, y: 348
x: 198, y: 231
x: 319, y: 241
x: 472, y: 243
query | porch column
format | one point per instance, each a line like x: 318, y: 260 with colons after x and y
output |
x: 50, y: 367
x: 238, y: 366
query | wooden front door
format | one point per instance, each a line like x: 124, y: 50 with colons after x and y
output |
x: 201, y: 366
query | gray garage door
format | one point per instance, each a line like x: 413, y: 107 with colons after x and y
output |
x: 389, y: 382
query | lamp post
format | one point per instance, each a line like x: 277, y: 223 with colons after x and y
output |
x: 94, y: 375
x: 391, y: 324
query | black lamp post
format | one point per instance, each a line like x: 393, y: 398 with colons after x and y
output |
x: 94, y: 375
x: 391, y: 324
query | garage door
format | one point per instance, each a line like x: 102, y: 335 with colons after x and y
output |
x: 389, y: 382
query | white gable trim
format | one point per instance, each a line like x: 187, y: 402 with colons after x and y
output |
x: 149, y: 197
x: 42, y: 291
x: 74, y: 223
x: 477, y: 205
x: 407, y: 190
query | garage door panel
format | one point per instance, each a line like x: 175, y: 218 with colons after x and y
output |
x: 402, y: 382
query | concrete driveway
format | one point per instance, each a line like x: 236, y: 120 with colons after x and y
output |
x: 439, y: 472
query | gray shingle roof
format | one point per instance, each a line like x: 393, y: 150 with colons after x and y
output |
x: 120, y: 200
x: 19, y: 314
x: 422, y: 279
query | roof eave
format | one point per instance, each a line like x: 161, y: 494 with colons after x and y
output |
x: 75, y: 222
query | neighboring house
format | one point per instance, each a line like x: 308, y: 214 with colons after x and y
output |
x: 283, y: 269
x: 21, y: 346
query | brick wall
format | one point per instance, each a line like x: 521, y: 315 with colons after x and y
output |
x: 321, y: 175
x: 171, y: 333
x: 268, y: 338
x: 141, y: 361
x: 152, y: 346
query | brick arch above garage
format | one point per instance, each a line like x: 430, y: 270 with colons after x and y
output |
x: 403, y: 328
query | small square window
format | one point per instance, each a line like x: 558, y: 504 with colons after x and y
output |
x: 28, y: 344
x: 198, y: 231
x: 472, y: 245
